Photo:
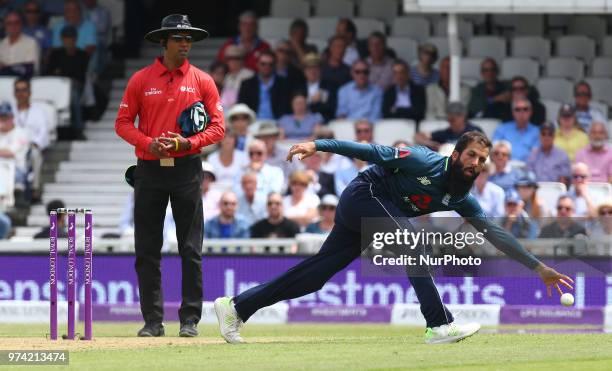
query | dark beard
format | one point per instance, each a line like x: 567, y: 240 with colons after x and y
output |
x: 458, y: 184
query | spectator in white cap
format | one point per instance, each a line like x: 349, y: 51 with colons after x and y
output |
x: 210, y: 196
x: 327, y: 213
x: 239, y: 117
x: 236, y: 74
x: 228, y: 161
x: 251, y: 205
x: 269, y: 133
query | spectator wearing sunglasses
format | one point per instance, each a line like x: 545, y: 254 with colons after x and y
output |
x: 602, y: 230
x: 266, y: 93
x: 564, y: 225
x: 327, y: 213
x: 359, y: 98
x: 276, y: 225
x: 598, y: 154
x: 585, y: 113
x: 549, y: 163
x: 227, y: 224
x: 491, y: 96
x: 404, y: 99
x: 579, y: 192
x: 521, y: 133
x: 269, y: 178
x: 519, y: 89
x: 570, y: 137
x: 33, y: 26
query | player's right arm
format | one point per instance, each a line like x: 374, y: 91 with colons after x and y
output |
x: 410, y: 158
x: 128, y: 110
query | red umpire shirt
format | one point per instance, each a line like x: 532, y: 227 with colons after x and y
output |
x: 158, y: 96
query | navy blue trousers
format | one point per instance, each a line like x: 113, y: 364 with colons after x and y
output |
x: 342, y: 246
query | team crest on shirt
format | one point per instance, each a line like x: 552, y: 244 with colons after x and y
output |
x: 424, y: 180
x: 219, y: 107
x: 446, y: 199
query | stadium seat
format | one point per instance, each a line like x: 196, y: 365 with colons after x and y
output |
x: 55, y: 90
x: 416, y: 28
x: 599, y: 192
x: 429, y: 126
x: 592, y: 26
x: 443, y: 47
x: 336, y: 8
x: 601, y: 89
x: 385, y: 10
x: 51, y: 116
x: 116, y: 9
x: 365, y: 26
x: 531, y: 47
x: 567, y: 67
x: 290, y: 8
x: 519, y: 24
x: 555, y: 88
x: 526, y: 67
x: 606, y: 46
x: 405, y: 48
x: 7, y: 183
x: 552, y: 109
x: 464, y: 28
x: 487, y: 46
x: 321, y: 27
x: 470, y: 68
x: 601, y: 106
x: 274, y: 27
x: 578, y: 46
x: 388, y: 131
x: 343, y: 129
x: 7, y: 89
x: 601, y: 67
x: 549, y: 193
x: 487, y: 125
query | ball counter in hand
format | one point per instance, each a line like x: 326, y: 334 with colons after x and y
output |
x: 567, y: 299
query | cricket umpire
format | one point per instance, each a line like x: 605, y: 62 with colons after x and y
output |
x: 179, y: 112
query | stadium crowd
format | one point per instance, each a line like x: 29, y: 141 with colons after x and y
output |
x: 291, y: 91
x: 45, y: 38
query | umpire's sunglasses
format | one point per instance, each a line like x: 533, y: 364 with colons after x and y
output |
x: 179, y: 38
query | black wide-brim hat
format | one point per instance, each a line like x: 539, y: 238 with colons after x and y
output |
x: 176, y: 22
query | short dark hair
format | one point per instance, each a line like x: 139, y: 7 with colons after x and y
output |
x: 582, y: 83
x: 379, y: 35
x: 298, y: 22
x: 350, y: 26
x: 490, y: 60
x: 470, y: 137
x: 521, y: 79
x: 267, y: 52
x: 403, y: 63
x: 218, y: 64
x: 22, y: 80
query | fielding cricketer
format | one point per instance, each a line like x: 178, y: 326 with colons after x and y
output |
x: 404, y: 182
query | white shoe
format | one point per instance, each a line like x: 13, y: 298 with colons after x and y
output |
x: 450, y: 333
x: 229, y: 321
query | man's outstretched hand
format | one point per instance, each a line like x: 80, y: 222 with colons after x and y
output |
x: 551, y: 278
x: 303, y: 150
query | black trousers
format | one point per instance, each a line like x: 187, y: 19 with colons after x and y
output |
x: 342, y: 246
x: 154, y: 185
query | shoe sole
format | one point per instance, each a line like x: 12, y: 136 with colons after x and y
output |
x: 218, y: 309
x: 187, y: 335
x: 454, y: 339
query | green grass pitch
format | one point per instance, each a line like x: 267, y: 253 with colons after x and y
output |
x: 332, y: 347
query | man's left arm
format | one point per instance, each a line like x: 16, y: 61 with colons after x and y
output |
x: 506, y: 243
x: 215, y: 129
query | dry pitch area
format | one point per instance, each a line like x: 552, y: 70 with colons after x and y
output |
x: 335, y: 347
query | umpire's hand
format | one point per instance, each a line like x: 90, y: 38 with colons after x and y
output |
x: 303, y: 150
x: 158, y: 149
x: 175, y: 142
